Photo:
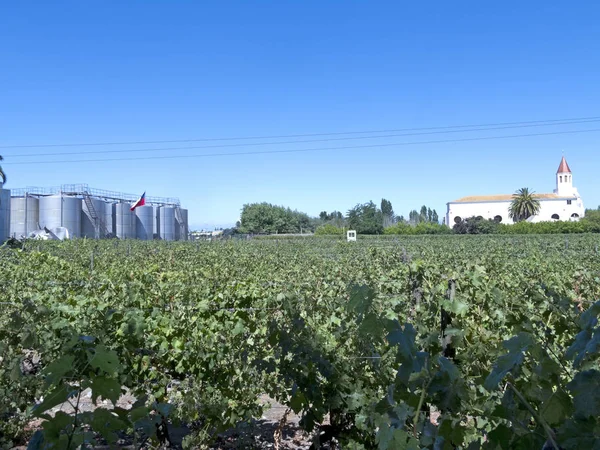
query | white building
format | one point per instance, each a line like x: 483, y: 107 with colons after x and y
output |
x: 563, y: 204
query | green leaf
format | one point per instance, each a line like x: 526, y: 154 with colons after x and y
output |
x: 107, y: 388
x: 56, y: 370
x: 105, y: 360
x: 361, y: 299
x: 15, y: 372
x: 389, y: 438
x: 459, y: 307
x: 585, y: 388
x: 37, y: 441
x: 297, y: 402
x: 138, y: 413
x: 58, y: 425
x: 371, y: 325
x: 587, y: 343
x: 106, y: 423
x: 589, y: 318
x: 56, y: 396
x: 516, y: 346
x: 557, y: 408
x: 239, y: 328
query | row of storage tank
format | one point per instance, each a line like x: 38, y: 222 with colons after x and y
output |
x: 100, y: 219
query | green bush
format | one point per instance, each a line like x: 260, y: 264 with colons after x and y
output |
x: 421, y: 228
x: 329, y: 229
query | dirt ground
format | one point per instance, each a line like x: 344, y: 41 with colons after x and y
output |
x: 260, y: 434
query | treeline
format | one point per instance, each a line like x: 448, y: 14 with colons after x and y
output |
x: 365, y: 218
x: 477, y: 225
x: 369, y: 218
x: 265, y: 218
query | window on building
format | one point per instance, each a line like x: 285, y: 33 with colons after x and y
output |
x: 568, y: 202
x: 574, y: 215
x: 555, y: 216
x: 498, y: 219
x: 560, y: 176
x: 457, y: 219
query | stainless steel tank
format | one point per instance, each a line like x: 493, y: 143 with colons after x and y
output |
x: 61, y: 211
x: 184, y: 225
x: 144, y: 222
x: 109, y: 218
x: 90, y: 220
x: 124, y: 221
x: 4, y: 214
x: 167, y: 223
x: 156, y: 221
x: 24, y: 216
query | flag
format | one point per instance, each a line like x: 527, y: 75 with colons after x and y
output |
x: 140, y: 202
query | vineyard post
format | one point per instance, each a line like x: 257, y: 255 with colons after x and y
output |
x: 566, y: 243
x: 92, y: 261
x: 448, y: 350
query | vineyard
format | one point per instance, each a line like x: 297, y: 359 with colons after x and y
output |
x: 436, y: 342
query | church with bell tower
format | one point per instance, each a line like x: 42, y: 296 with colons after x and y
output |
x: 564, y: 203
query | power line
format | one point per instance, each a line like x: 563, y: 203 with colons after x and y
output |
x: 263, y: 152
x: 549, y: 122
x: 254, y: 144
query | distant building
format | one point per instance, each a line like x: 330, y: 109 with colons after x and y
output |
x: 564, y: 203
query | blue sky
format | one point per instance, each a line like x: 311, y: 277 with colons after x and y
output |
x: 89, y: 72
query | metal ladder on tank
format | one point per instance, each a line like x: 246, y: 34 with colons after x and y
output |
x: 179, y: 219
x: 100, y: 225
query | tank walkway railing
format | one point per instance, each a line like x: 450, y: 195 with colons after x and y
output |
x: 99, y: 223
x: 84, y: 189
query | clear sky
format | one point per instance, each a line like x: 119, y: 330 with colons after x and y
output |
x: 113, y: 71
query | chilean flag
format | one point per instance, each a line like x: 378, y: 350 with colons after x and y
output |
x: 141, y: 202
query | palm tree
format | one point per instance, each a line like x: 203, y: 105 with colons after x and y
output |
x: 2, y: 174
x: 524, y: 205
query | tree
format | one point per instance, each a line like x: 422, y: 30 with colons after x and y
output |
x: 423, y: 214
x: 267, y: 218
x: 2, y: 174
x: 387, y: 212
x: 413, y: 217
x: 434, y: 217
x: 323, y: 216
x: 524, y: 205
x: 366, y: 218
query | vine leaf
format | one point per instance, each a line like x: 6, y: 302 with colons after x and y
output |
x: 107, y: 388
x: 585, y: 388
x: 56, y: 396
x: 589, y: 318
x: 557, y: 408
x: 587, y: 342
x: 104, y: 359
x: 56, y: 370
x: 516, y: 346
x: 106, y: 423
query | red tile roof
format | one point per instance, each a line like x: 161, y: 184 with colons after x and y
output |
x: 564, y: 167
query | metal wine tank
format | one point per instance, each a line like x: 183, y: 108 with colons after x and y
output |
x: 144, y: 222
x: 91, y: 219
x: 24, y: 216
x: 4, y: 214
x: 61, y: 211
x: 125, y: 227
x: 167, y: 223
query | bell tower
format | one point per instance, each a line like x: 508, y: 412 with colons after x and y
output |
x: 564, y: 180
